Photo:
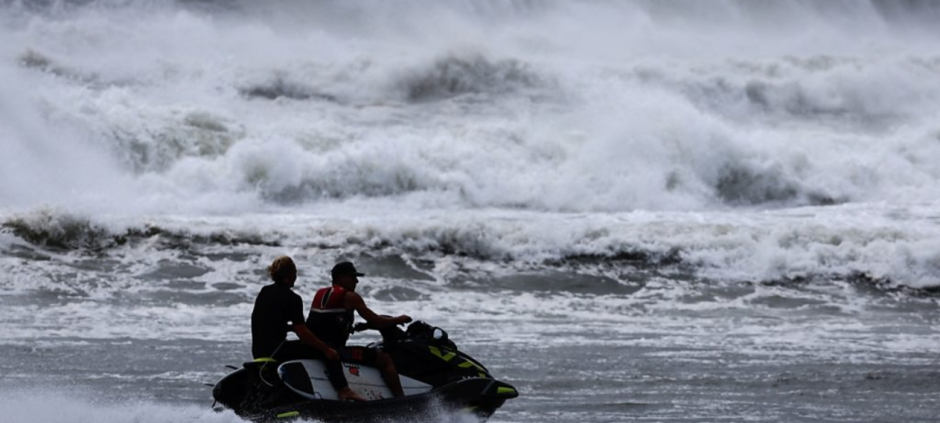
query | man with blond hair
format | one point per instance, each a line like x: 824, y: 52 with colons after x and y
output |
x: 276, y: 306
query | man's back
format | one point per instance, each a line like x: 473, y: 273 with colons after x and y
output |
x: 275, y: 306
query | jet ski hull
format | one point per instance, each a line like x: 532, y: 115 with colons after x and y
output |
x: 480, y: 396
x: 436, y: 376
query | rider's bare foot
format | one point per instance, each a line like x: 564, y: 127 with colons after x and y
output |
x: 347, y: 394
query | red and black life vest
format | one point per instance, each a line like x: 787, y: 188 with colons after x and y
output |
x: 329, y: 320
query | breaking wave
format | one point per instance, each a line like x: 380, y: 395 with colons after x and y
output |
x: 453, y: 76
x: 281, y: 87
x: 61, y: 231
x: 724, y: 248
x: 252, y: 109
x: 737, y: 139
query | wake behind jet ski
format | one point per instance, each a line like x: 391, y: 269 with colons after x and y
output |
x: 435, y: 376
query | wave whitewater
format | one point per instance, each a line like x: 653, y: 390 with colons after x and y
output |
x: 731, y: 140
x: 257, y: 109
x: 724, y: 248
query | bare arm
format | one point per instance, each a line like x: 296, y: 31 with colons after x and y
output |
x: 310, y: 339
x: 354, y: 301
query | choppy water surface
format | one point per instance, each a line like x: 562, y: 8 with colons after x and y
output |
x: 657, y: 211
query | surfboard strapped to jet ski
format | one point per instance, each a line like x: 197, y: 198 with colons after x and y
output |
x: 434, y: 374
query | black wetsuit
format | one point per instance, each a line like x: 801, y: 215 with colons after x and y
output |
x: 277, y: 308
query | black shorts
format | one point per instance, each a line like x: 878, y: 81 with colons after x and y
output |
x: 360, y: 355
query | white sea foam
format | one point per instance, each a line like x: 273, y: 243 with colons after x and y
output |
x: 657, y: 115
x: 820, y: 320
x: 33, y: 405
x: 893, y: 243
x: 796, y: 141
x: 80, y: 406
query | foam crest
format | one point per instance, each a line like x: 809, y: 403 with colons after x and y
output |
x: 46, y: 228
x: 846, y: 242
x: 455, y: 76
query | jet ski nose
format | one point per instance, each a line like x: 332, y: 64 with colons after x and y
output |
x: 503, y: 390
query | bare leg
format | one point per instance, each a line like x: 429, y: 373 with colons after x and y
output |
x: 334, y: 369
x: 390, y: 374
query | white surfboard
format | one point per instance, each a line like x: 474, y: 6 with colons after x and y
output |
x: 308, y: 378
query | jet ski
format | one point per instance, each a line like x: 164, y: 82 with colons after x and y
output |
x: 435, y: 376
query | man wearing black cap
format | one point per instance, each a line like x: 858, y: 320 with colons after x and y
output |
x: 331, y: 318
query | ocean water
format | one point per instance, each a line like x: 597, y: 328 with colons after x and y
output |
x: 667, y: 211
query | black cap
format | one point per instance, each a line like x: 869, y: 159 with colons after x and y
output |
x: 345, y: 268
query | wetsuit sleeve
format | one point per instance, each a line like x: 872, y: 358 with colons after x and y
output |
x: 296, y: 311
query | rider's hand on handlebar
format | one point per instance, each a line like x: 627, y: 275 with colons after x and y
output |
x: 403, y: 319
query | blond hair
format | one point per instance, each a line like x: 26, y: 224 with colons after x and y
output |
x: 281, y: 268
